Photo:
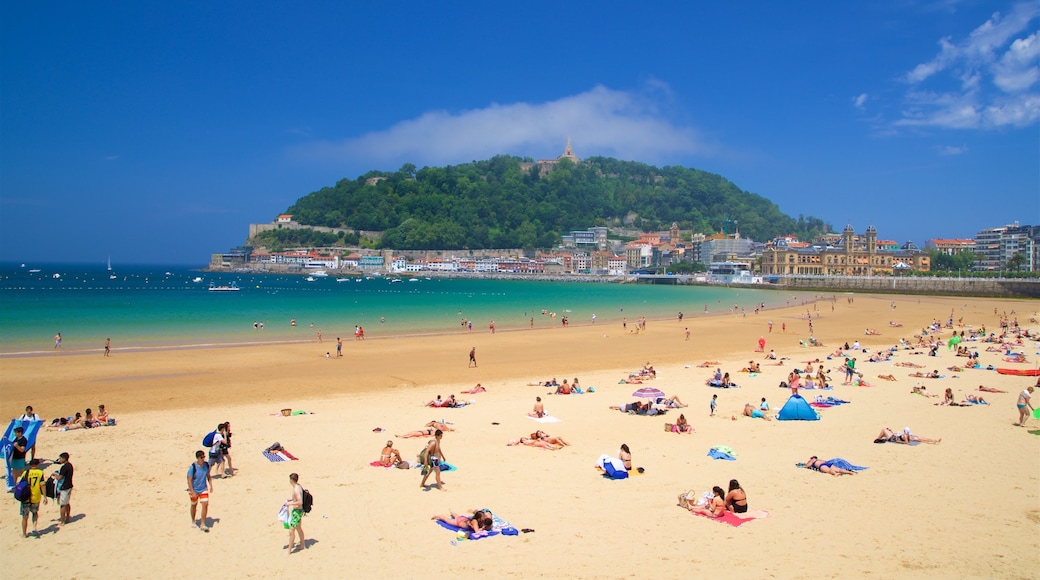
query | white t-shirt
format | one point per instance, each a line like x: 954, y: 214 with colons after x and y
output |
x: 217, y: 440
x: 1025, y: 396
x: 33, y: 417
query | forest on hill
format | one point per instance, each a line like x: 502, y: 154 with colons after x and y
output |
x: 498, y: 204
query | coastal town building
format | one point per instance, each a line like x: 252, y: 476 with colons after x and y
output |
x: 995, y: 248
x: 950, y: 246
x: 846, y: 255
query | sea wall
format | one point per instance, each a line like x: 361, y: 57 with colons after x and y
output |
x: 997, y: 287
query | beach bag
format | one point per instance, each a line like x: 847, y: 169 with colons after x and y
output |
x: 308, y: 501
x: 207, y: 441
x: 22, y: 492
x: 423, y: 459
x: 283, y: 514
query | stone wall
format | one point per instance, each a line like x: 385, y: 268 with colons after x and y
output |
x: 1000, y: 287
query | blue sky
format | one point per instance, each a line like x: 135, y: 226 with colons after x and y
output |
x: 157, y: 131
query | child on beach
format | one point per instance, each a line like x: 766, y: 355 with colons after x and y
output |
x: 713, y: 403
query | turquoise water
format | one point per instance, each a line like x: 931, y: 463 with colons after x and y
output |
x: 143, y: 307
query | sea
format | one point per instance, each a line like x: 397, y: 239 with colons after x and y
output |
x: 143, y: 307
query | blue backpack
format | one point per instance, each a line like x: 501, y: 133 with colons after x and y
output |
x: 22, y: 492
x: 207, y: 441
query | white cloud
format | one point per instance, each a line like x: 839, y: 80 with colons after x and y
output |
x: 953, y: 150
x: 601, y: 121
x: 986, y: 81
x: 859, y: 101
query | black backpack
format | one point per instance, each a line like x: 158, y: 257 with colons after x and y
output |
x: 308, y: 501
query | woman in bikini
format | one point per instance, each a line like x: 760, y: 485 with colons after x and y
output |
x: 553, y: 439
x: 468, y: 523
x: 815, y: 464
x: 736, y: 499
x: 389, y: 456
x: 534, y: 443
x: 682, y: 425
x: 420, y: 433
x: 716, y: 508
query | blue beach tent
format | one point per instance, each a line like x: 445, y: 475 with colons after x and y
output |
x: 797, y: 409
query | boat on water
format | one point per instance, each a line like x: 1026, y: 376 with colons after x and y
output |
x: 343, y: 279
x: 232, y: 288
x: 309, y: 278
x: 197, y: 279
x: 319, y: 273
x: 34, y: 271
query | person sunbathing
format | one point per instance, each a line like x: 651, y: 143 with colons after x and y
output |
x: 438, y: 402
x: 389, y: 456
x: 932, y: 375
x: 552, y: 439
x: 435, y: 424
x: 828, y: 467
x: 975, y: 400
x: 474, y: 390
x: 922, y: 390
x: 909, y: 364
x: 887, y: 377
x: 715, y: 508
x: 420, y: 433
x: 871, y: 332
x: 894, y: 323
x: 990, y: 390
x: 534, y: 443
x: 905, y: 437
x: 672, y: 402
x: 736, y: 498
x: 474, y: 523
x: 754, y: 412
x: 947, y: 398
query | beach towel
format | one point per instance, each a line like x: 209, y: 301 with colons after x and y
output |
x: 719, y: 385
x: 737, y: 520
x: 472, y: 535
x: 716, y: 454
x: 280, y: 455
x: 843, y: 464
x: 545, y: 419
x: 29, y: 431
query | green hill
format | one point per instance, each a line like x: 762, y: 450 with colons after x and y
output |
x: 501, y: 203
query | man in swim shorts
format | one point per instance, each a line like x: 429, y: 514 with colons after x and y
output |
x: 295, y: 505
x: 434, y: 456
x: 200, y: 485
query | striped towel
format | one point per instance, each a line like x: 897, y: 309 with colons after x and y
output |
x: 282, y: 455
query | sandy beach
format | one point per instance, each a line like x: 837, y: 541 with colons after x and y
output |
x: 968, y: 507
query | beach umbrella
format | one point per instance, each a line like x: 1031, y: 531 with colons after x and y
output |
x: 648, y: 393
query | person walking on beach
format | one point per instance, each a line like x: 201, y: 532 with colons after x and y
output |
x: 200, y: 485
x: 216, y: 455
x: 295, y: 505
x: 1024, y: 402
x: 36, y: 482
x: 108, y: 347
x: 57, y: 341
x: 473, y: 357
x: 770, y: 327
x: 339, y: 346
x: 714, y: 403
x: 687, y: 333
x: 434, y: 456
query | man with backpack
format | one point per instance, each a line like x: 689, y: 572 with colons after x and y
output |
x: 31, y: 504
x: 214, y: 441
x: 200, y: 485
x: 296, y: 510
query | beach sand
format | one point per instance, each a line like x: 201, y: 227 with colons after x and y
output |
x: 968, y: 507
